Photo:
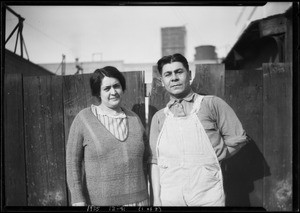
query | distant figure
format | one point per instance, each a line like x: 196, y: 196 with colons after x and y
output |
x: 188, y: 139
x: 110, y: 140
x: 78, y: 67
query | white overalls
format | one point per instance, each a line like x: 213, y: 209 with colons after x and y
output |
x: 190, y: 173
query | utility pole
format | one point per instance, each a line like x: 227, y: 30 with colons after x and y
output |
x: 18, y: 27
x: 63, y: 65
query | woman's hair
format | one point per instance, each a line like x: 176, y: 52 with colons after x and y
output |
x: 99, y: 74
x: 172, y: 58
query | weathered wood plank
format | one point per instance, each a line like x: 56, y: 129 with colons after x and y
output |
x: 277, y: 125
x: 44, y: 139
x: 76, y: 96
x: 209, y: 79
x: 159, y: 96
x: 134, y: 96
x: 272, y: 26
x: 243, y: 91
x: 14, y: 153
x: 244, y: 172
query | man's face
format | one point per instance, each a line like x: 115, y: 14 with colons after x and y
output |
x: 176, y: 79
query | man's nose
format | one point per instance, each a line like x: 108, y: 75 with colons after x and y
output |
x: 174, y: 77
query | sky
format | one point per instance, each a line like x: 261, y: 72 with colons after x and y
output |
x: 109, y: 33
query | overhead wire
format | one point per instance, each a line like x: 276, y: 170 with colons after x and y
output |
x: 41, y: 32
x: 38, y: 30
x: 49, y: 37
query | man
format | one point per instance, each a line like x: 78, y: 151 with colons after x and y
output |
x: 188, y: 139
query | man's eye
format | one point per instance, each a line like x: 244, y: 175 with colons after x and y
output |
x: 167, y: 74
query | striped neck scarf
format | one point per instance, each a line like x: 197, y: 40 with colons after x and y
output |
x: 116, y: 124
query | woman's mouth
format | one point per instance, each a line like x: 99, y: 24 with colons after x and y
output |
x: 114, y: 98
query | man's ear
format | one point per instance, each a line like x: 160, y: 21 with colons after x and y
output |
x: 190, y: 73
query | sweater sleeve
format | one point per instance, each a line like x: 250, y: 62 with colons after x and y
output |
x: 230, y: 127
x: 74, y: 159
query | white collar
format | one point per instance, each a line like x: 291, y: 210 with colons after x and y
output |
x: 99, y: 111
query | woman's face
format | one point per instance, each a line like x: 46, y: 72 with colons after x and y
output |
x: 111, y: 92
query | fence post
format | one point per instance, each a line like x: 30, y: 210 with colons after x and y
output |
x: 44, y: 138
x: 209, y: 79
x: 14, y: 153
x: 277, y: 125
x: 245, y: 171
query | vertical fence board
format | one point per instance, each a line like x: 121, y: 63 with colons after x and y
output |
x: 277, y: 124
x: 209, y: 79
x: 159, y: 96
x: 44, y: 139
x: 14, y: 154
x: 76, y: 96
x: 243, y: 91
x: 134, y: 97
x: 244, y: 172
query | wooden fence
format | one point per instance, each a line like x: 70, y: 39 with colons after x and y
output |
x: 40, y: 110
x: 38, y: 113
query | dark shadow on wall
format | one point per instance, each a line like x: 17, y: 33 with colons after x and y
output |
x: 239, y: 173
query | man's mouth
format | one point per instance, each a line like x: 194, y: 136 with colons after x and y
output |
x: 176, y: 85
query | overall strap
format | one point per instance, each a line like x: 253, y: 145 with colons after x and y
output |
x: 197, y: 104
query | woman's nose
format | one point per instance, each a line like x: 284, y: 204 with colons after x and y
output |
x: 113, y: 91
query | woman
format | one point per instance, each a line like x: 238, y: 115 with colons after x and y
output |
x: 110, y: 140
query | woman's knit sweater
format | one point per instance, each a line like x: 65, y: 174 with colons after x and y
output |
x: 113, y: 170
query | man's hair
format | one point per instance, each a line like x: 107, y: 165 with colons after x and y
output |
x: 172, y: 58
x: 99, y: 74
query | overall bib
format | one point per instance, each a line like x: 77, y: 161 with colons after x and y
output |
x: 190, y: 173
